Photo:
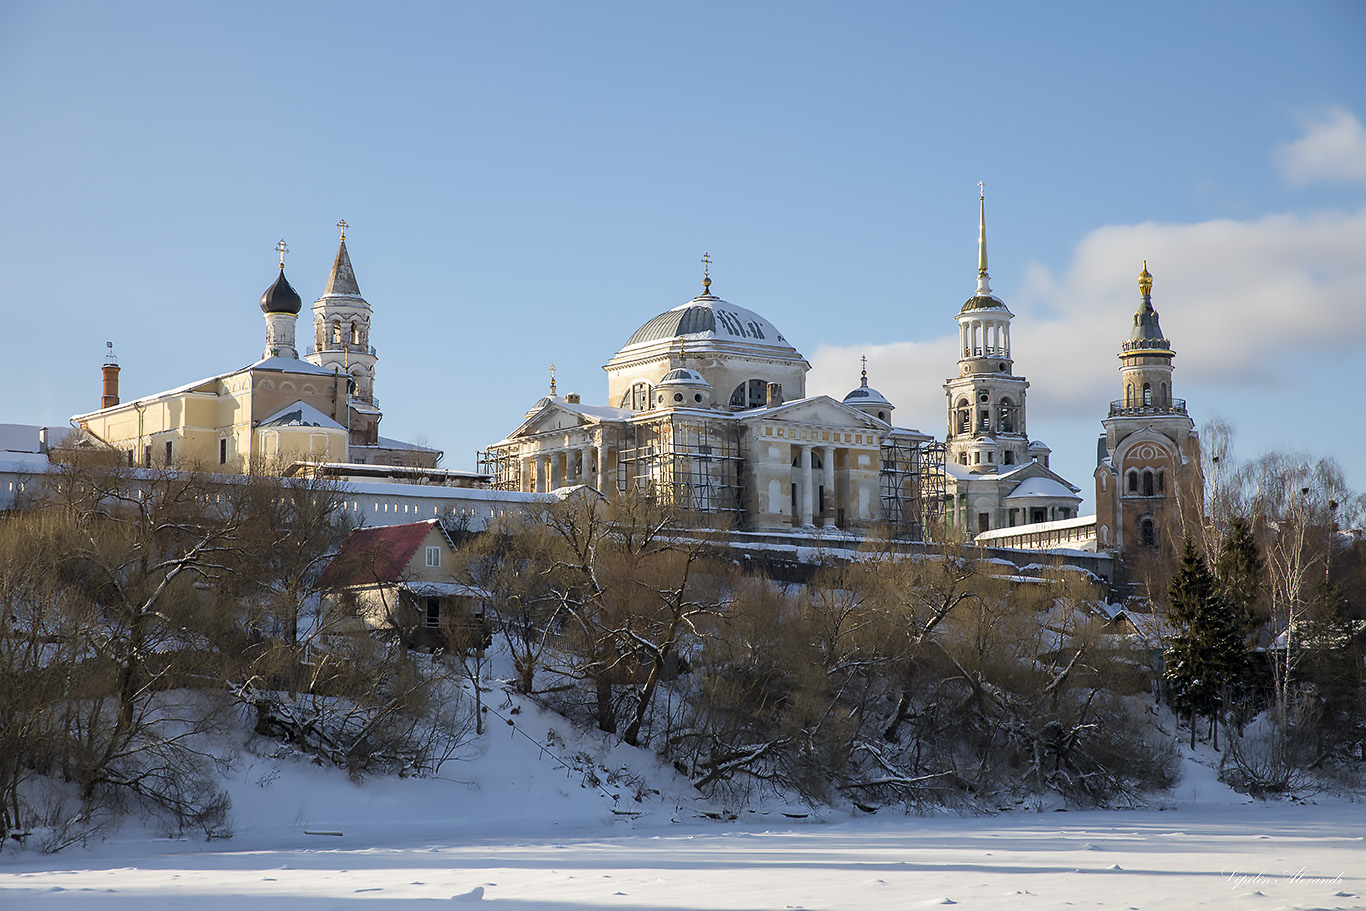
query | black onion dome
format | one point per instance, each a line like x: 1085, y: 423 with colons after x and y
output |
x: 281, y: 297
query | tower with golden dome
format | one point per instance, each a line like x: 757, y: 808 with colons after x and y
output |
x: 1149, y: 486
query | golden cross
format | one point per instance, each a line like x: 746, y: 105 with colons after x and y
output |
x: 282, y: 249
x: 981, y: 190
x: 552, y: 379
x: 706, y: 265
x: 343, y: 225
x: 865, y: 364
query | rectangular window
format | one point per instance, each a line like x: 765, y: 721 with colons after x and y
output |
x: 434, y: 556
x: 223, y: 452
x: 147, y: 456
x: 168, y: 452
x: 433, y: 612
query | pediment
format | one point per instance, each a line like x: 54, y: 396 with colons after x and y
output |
x: 1037, y: 470
x: 551, y: 418
x: 816, y: 409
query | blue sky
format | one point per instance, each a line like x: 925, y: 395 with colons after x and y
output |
x: 526, y: 183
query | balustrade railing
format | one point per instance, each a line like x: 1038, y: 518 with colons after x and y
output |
x: 1177, y: 406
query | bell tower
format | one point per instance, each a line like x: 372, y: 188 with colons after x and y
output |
x: 341, y: 327
x: 1148, y: 482
x: 986, y: 401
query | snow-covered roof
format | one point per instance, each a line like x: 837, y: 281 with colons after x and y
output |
x: 683, y: 376
x: 22, y: 437
x: 301, y: 414
x: 391, y: 443
x: 282, y: 365
x: 708, y: 317
x: 866, y: 395
x: 1041, y: 488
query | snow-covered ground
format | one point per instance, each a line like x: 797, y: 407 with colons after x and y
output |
x: 520, y: 823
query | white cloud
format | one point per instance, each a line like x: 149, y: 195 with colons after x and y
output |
x: 1333, y: 148
x: 1237, y: 299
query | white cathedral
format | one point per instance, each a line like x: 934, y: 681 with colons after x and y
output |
x: 707, y: 407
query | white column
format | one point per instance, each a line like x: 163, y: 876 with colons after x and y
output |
x: 804, y: 495
x: 542, y: 473
x: 828, y: 514
x: 602, y: 481
x: 571, y: 475
x: 552, y: 471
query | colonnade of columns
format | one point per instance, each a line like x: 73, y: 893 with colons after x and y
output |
x: 806, y: 488
x: 546, y: 471
x: 984, y: 337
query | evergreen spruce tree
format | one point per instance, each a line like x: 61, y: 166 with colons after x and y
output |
x: 1242, y: 574
x: 1206, y: 650
x: 1242, y: 578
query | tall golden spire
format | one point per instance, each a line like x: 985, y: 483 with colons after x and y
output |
x: 982, y: 230
x: 1145, y: 281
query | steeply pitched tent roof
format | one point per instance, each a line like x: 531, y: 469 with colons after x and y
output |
x: 376, y: 555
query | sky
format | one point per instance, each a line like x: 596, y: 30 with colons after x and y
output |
x: 527, y: 183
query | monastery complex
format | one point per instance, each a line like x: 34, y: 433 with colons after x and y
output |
x: 705, y: 407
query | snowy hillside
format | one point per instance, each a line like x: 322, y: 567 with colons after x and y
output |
x: 536, y: 816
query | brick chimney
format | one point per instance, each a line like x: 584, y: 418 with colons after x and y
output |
x: 111, y: 378
x: 775, y: 394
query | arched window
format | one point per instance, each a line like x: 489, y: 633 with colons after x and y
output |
x: 1161, y: 482
x: 1007, y: 421
x: 1147, y: 394
x: 1147, y: 532
x: 1148, y: 488
x: 1133, y: 482
x: 752, y: 393
x: 964, y: 416
x: 355, y: 333
x: 1129, y: 396
x: 336, y: 332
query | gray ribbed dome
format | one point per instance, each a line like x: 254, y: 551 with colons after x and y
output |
x: 683, y: 376
x: 709, y: 317
x: 281, y: 297
x: 866, y: 395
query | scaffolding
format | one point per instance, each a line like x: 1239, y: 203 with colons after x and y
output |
x: 686, y: 460
x: 912, y: 483
x: 502, y: 465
